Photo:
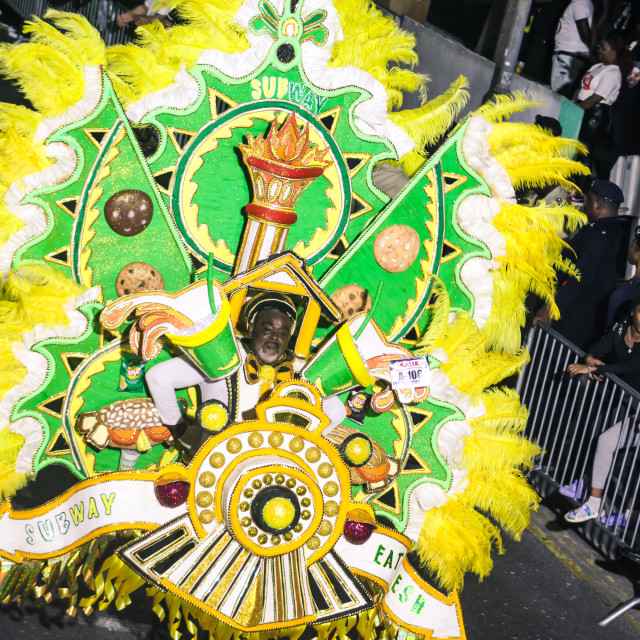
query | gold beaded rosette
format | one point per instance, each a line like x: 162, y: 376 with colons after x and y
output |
x: 268, y: 501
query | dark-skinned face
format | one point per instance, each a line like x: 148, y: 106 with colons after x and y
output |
x: 270, y: 335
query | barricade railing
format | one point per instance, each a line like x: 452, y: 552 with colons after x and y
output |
x: 567, y: 416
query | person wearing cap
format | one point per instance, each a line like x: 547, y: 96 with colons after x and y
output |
x: 271, y: 321
x: 594, y: 250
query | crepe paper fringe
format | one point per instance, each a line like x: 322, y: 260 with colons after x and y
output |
x: 114, y: 582
x: 39, y: 579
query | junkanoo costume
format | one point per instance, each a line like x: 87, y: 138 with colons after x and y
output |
x: 413, y: 302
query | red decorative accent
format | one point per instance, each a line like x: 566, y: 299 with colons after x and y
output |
x: 266, y: 214
x: 172, y: 494
x: 282, y: 166
x: 357, y: 532
x: 284, y: 170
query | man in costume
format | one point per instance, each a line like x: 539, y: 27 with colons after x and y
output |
x: 266, y: 361
x: 582, y: 303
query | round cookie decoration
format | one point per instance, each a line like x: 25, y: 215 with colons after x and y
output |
x: 351, y: 299
x: 396, y: 247
x: 138, y: 277
x: 129, y: 212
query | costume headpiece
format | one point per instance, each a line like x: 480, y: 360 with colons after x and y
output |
x: 270, y: 300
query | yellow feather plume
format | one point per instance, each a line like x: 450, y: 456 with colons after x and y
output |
x: 10, y: 481
x: 427, y: 124
x: 50, y: 69
x: 503, y: 106
x: 533, y: 259
x: 454, y: 540
x: 374, y: 42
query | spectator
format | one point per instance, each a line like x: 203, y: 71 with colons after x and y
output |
x: 594, y: 249
x: 538, y: 48
x: 620, y: 301
x: 621, y: 346
x: 625, y: 118
x: 572, y: 45
x: 144, y: 14
x: 600, y: 86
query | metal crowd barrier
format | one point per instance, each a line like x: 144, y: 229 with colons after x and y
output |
x: 566, y: 417
x: 100, y: 13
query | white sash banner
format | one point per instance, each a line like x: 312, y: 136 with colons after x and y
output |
x: 410, y: 602
x: 89, y: 509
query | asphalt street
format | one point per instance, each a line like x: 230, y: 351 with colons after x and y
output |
x: 549, y: 586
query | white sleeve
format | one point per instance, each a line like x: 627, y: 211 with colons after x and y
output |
x: 583, y: 9
x: 607, y: 84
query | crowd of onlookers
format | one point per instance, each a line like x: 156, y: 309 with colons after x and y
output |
x: 588, y: 51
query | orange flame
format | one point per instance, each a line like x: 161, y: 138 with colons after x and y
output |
x: 288, y: 143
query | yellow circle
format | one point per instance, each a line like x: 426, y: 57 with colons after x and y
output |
x: 275, y: 540
x: 262, y: 538
x: 313, y: 543
x: 256, y: 439
x: 325, y: 470
x: 276, y: 439
x: 297, y: 444
x: 213, y: 417
x: 206, y: 516
x: 331, y: 489
x: 245, y: 522
x: 331, y: 508
x: 313, y: 454
x: 234, y: 445
x: 207, y: 479
x: 358, y: 451
x: 252, y: 531
x: 325, y: 528
x: 217, y: 460
x: 278, y: 513
x: 267, y: 373
x: 204, y: 499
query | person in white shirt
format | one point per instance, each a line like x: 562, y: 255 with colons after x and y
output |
x: 572, y: 44
x: 600, y: 86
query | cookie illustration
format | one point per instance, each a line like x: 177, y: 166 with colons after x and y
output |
x: 128, y: 212
x: 351, y: 299
x: 396, y: 247
x: 137, y: 277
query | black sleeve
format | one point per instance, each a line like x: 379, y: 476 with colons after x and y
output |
x: 604, y: 346
x: 621, y: 369
x: 590, y: 255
